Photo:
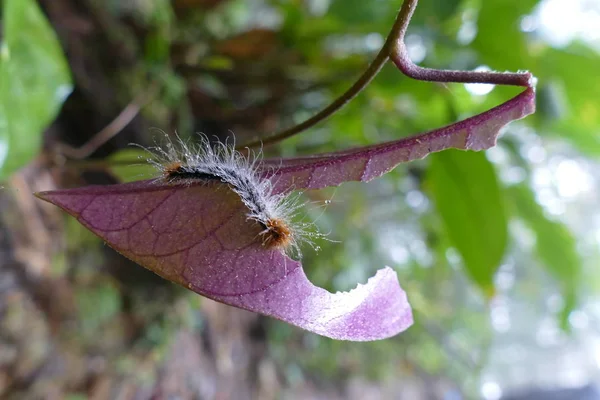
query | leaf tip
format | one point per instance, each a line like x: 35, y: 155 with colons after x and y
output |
x: 41, y: 195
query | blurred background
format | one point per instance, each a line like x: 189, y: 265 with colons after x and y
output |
x: 82, y: 79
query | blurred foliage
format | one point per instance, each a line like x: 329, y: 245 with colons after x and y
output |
x: 555, y: 245
x: 123, y: 169
x: 253, y: 67
x: 34, y: 82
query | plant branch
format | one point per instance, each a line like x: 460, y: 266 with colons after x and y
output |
x: 112, y: 129
x: 395, y: 50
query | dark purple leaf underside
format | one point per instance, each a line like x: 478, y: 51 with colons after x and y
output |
x: 198, y: 236
x: 363, y: 164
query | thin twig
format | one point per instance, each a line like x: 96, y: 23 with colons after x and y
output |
x: 395, y: 50
x: 110, y: 130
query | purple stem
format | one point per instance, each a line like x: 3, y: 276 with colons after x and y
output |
x: 399, y: 56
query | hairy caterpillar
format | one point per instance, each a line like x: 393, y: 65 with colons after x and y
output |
x: 182, y: 162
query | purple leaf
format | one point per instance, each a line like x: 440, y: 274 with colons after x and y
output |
x: 199, y: 237
x: 363, y: 164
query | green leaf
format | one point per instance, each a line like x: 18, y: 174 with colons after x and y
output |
x: 555, y: 245
x: 123, y: 164
x: 493, y: 36
x: 465, y: 190
x: 34, y: 82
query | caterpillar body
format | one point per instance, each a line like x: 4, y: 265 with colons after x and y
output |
x: 184, y: 163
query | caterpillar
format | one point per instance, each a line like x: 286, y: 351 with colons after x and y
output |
x: 184, y: 163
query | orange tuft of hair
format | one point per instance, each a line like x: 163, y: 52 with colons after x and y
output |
x: 172, y: 168
x: 277, y: 234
